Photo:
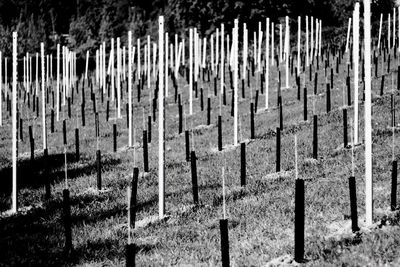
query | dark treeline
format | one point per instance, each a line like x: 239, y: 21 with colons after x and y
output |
x: 85, y: 23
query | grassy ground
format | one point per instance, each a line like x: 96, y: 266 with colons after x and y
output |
x: 261, y: 215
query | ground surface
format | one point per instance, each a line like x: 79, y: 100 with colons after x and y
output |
x: 261, y: 215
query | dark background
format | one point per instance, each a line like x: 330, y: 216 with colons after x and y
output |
x: 83, y: 24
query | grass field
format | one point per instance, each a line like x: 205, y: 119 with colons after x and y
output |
x: 261, y: 215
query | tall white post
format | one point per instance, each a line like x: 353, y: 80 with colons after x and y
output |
x: 130, y: 87
x: 104, y: 67
x: 166, y: 41
x: 235, y: 80
x: 161, y: 155
x: 58, y: 83
x: 1, y: 90
x: 380, y: 31
x: 389, y: 45
x: 312, y: 38
x: 307, y: 51
x: 266, y: 63
x: 272, y: 43
x: 348, y: 35
x: 148, y: 61
x: 245, y: 47
x: 112, y: 70
x: 118, y: 78
x: 287, y: 50
x: 394, y: 27
x: 298, y: 44
x: 212, y: 54
x: 398, y: 23
x: 138, y: 60
x: 356, y: 28
x: 14, y: 126
x: 280, y: 43
x: 190, y: 71
x: 37, y: 73
x: 222, y: 58
x: 368, y: 126
x: 43, y: 99
x: 216, y: 48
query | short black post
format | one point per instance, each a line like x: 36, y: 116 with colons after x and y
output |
x: 52, y: 121
x: 328, y: 98
x: 133, y: 200
x: 65, y: 132
x: 67, y: 221
x: 316, y: 83
x: 115, y: 136
x: 187, y: 145
x: 243, y: 164
x: 345, y: 138
x: 243, y: 94
x: 180, y: 119
x: 219, y: 133
x: 201, y: 100
x: 108, y: 110
x: 251, y: 121
x: 393, y: 195
x: 305, y: 104
x: 299, y: 221
x: 348, y: 91
x: 145, y: 152
x: 223, y: 226
x: 280, y: 116
x: 98, y: 161
x: 83, y: 114
x: 315, y: 137
x: 353, y: 204
x: 69, y: 107
x: 382, y: 84
x: 215, y: 86
x: 256, y: 102
x: 32, y: 143
x: 208, y: 111
x: 149, y: 129
x: 77, y: 144
x: 194, y: 178
x: 130, y: 255
x: 278, y: 149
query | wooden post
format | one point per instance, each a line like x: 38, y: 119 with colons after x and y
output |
x: 368, y: 125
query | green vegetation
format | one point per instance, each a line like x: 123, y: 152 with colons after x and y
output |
x: 260, y: 215
x: 89, y: 22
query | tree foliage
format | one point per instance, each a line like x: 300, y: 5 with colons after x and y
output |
x: 89, y: 22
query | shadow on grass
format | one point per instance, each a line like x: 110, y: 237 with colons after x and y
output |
x: 31, y: 174
x: 37, y: 238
